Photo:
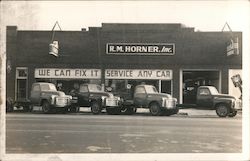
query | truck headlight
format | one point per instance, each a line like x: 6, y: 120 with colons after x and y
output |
x: 163, y: 100
x: 103, y: 98
x: 53, y: 99
x: 118, y: 98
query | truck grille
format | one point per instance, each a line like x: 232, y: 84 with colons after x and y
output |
x: 62, y: 101
x: 111, y: 102
x: 169, y: 103
x: 238, y: 104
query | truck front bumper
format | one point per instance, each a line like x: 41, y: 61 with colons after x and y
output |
x: 111, y: 102
x: 237, y: 105
x: 169, y: 104
x: 62, y: 102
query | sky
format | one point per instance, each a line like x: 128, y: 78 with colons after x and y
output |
x: 203, y: 15
x: 75, y: 15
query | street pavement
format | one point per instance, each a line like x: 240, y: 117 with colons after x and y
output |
x: 186, y: 132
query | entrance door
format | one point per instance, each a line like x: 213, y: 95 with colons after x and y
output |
x: 21, y: 83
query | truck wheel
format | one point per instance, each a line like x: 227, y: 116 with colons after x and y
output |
x: 155, y: 109
x: 31, y: 108
x: 95, y: 108
x: 46, y: 107
x: 232, y: 114
x: 222, y: 110
x: 26, y: 108
x: 74, y: 109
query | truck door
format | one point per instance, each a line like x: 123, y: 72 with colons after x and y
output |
x: 83, y: 96
x: 140, y: 96
x: 204, y: 98
x: 35, y: 94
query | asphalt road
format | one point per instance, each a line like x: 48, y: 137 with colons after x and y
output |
x: 87, y: 133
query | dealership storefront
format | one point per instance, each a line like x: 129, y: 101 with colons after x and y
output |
x: 174, y: 58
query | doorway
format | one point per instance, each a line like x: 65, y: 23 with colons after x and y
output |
x: 192, y: 79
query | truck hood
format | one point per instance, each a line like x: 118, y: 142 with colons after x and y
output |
x: 102, y: 94
x: 223, y: 96
x: 159, y: 95
x: 58, y: 93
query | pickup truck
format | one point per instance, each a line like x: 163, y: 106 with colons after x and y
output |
x: 147, y: 96
x: 92, y: 95
x: 42, y: 94
x: 46, y: 95
x: 208, y: 97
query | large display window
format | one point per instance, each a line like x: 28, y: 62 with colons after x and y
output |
x: 67, y: 79
x: 123, y: 81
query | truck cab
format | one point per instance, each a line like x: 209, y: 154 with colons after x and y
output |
x: 208, y: 97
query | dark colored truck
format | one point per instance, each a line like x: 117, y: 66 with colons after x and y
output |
x: 147, y: 96
x: 92, y: 95
x: 209, y: 98
x: 45, y: 95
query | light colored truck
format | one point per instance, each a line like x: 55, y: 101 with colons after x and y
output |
x: 47, y: 96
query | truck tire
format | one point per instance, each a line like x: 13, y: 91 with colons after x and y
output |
x: 232, y: 114
x: 74, y: 109
x: 46, y: 107
x: 222, y: 110
x: 155, y: 109
x: 95, y: 108
x: 31, y: 108
x: 26, y: 108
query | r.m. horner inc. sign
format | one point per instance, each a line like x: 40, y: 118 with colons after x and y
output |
x: 140, y: 48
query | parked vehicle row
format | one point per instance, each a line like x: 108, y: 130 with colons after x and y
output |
x: 143, y: 96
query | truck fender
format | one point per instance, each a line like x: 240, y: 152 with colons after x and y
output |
x: 221, y: 103
x: 153, y: 102
x: 43, y: 100
x: 95, y: 100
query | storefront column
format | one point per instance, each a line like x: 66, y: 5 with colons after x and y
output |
x: 103, y: 78
x: 176, y: 83
x: 159, y: 86
x: 224, y: 81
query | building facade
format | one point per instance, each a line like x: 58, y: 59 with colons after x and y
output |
x: 174, y: 58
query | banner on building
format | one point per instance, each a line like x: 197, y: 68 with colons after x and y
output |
x: 68, y: 73
x: 140, y: 48
x: 138, y: 74
x: 233, y: 47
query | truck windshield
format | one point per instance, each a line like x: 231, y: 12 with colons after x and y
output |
x: 151, y: 89
x: 48, y: 87
x: 95, y: 88
x: 213, y: 90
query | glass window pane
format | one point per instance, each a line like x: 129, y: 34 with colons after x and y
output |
x: 22, y: 72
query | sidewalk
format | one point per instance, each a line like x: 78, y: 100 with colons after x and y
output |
x: 191, y: 112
